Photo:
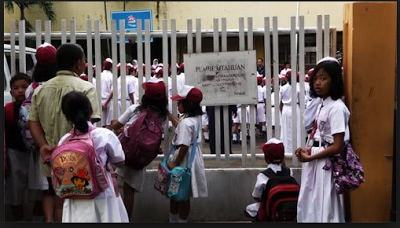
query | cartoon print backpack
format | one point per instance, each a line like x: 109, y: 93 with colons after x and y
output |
x: 142, y: 144
x: 23, y: 120
x: 75, y: 170
x: 279, y: 198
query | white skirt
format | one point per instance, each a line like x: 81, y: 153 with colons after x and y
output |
x: 133, y: 177
x: 318, y: 199
x: 105, y: 208
x: 287, y: 126
x: 108, y: 113
x: 199, y: 183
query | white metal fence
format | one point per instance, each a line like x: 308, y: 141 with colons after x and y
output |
x: 324, y: 47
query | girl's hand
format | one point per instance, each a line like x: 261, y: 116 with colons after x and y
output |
x: 305, y: 157
x: 298, y: 151
x: 171, y: 165
x: 307, y: 150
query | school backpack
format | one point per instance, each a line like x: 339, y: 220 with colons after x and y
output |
x: 75, y: 169
x: 23, y: 120
x: 141, y: 143
x: 279, y: 198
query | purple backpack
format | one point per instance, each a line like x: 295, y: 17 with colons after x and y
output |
x: 142, y: 144
x: 75, y: 169
x: 347, y: 170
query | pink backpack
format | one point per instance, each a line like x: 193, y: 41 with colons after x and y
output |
x: 75, y: 169
x: 142, y: 144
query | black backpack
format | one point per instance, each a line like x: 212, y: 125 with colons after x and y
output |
x: 279, y: 198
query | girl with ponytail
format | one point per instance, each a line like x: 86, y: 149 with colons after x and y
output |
x: 108, y: 205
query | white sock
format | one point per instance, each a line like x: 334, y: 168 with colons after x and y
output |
x: 173, y: 218
x: 240, y: 136
x: 206, y: 136
x: 234, y: 137
x: 182, y: 221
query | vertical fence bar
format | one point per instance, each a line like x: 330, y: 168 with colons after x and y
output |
x: 252, y: 106
x: 122, y: 57
x: 326, y: 36
x: 21, y: 44
x: 293, y: 64
x: 226, y: 116
x: 173, y: 65
x: 276, y: 78
x: 198, y: 50
x: 319, y: 38
x: 97, y: 52
x: 38, y: 33
x: 47, y: 36
x: 12, y: 42
x: 198, y: 35
x: 63, y: 31
x: 72, y: 36
x: 217, y: 109
x: 114, y: 68
x: 302, y: 89
x: 189, y: 37
x: 89, y: 48
x: 147, y: 50
x: 140, y: 58
x: 243, y: 127
x: 267, y: 51
x: 334, y: 43
x: 165, y: 76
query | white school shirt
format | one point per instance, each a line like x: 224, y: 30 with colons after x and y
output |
x: 106, y: 207
x: 332, y: 119
x: 129, y: 83
x: 180, y: 81
x: 185, y: 134
x: 106, y: 83
x: 285, y: 94
x: 261, y: 94
x: 310, y: 113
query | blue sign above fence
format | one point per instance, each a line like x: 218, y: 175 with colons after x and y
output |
x: 131, y: 18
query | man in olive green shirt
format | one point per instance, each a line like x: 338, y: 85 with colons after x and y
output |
x: 47, y: 122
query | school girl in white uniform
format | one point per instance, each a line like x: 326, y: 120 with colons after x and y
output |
x: 187, y: 127
x: 108, y: 206
x: 318, y: 199
x: 154, y: 99
x: 286, y: 109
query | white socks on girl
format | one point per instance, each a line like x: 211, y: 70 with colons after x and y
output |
x: 174, y: 218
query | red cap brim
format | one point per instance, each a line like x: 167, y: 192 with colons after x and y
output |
x: 177, y: 98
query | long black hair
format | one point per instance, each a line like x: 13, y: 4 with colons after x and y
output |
x: 335, y: 71
x: 77, y: 109
x: 158, y: 106
x: 191, y: 108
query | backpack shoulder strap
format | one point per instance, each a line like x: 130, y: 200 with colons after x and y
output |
x: 284, y: 172
x: 9, y: 112
x: 269, y: 173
